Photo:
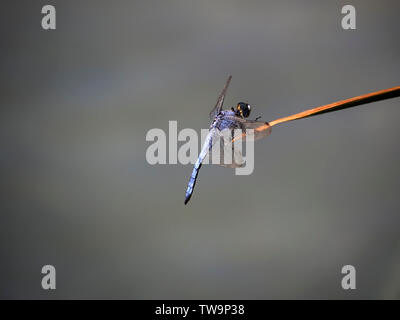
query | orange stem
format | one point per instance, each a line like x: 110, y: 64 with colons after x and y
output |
x: 342, y: 104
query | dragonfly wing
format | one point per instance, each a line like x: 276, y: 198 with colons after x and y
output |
x: 224, y: 152
x: 230, y: 157
x: 220, y: 101
x: 250, y: 130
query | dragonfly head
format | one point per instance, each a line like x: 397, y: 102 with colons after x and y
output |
x: 242, y: 109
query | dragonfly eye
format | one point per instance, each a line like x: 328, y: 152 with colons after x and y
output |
x: 243, y: 109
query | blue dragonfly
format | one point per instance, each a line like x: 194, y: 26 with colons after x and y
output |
x: 226, y: 127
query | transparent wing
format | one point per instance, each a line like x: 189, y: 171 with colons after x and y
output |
x: 220, y: 101
x: 230, y: 156
x: 259, y: 129
x: 224, y: 152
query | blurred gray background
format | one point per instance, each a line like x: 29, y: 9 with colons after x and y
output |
x: 77, y: 192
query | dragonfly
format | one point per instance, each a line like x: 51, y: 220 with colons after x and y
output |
x: 226, y: 127
x: 234, y: 121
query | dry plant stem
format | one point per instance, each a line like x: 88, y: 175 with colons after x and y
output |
x: 343, y: 104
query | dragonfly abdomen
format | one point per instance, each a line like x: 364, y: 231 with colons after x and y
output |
x: 192, y: 181
x: 197, y: 166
